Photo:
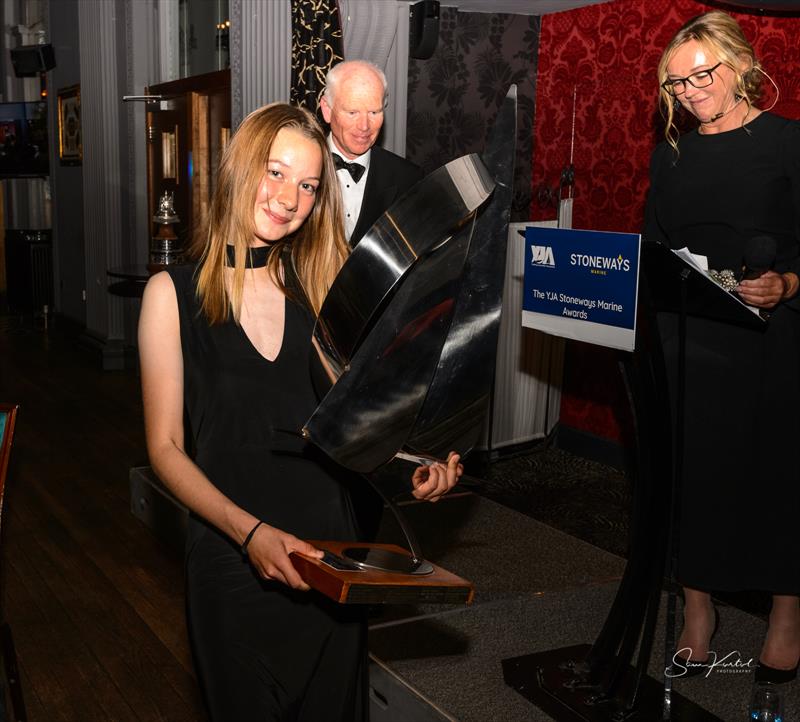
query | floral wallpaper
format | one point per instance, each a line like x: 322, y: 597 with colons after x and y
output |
x: 454, y: 96
x: 607, y: 55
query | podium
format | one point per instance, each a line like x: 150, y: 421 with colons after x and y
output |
x: 607, y: 680
x: 679, y: 287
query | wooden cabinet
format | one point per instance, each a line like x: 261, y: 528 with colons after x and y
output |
x: 187, y: 131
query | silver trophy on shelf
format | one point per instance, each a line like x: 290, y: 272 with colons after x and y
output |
x: 164, y: 246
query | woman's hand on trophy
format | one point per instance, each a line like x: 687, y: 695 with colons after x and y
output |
x: 432, y: 482
x: 269, y: 550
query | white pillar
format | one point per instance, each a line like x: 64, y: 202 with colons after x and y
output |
x: 168, y: 40
x: 260, y: 53
x: 378, y: 31
x: 102, y: 177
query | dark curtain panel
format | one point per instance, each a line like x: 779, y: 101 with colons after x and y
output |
x: 316, y: 48
x: 454, y: 96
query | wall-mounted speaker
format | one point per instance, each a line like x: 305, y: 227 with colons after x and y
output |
x: 30, y: 60
x: 423, y: 29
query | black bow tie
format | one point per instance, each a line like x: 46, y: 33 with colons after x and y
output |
x: 356, y: 170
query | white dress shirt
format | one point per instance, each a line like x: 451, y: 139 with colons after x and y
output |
x: 352, y: 192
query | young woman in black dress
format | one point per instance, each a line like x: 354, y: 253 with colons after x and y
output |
x: 735, y: 178
x: 226, y: 356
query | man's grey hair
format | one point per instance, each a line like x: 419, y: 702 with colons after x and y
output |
x: 340, y: 69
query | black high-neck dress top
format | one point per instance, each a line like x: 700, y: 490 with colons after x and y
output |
x: 740, y: 498
x: 261, y: 650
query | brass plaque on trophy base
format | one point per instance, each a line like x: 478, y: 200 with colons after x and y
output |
x: 337, y: 577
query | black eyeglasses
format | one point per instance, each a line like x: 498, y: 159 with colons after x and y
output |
x: 701, y: 79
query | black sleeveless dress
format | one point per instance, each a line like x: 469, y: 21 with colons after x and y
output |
x: 261, y: 650
x: 740, y: 499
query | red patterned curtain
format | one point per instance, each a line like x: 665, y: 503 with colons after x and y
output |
x: 316, y: 48
x: 609, y: 53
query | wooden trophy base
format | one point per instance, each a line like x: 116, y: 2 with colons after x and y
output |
x: 371, y: 586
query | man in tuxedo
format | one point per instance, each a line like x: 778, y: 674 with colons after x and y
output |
x: 371, y: 180
x: 370, y: 177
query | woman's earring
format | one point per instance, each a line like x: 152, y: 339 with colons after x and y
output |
x: 676, y: 105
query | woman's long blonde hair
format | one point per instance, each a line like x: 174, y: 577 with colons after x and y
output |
x: 317, y: 249
x: 721, y: 35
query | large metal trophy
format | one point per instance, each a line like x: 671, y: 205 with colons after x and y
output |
x: 409, y: 333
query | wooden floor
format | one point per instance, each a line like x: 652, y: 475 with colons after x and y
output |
x: 95, y: 603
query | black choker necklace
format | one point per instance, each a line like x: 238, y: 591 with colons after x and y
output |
x: 256, y: 256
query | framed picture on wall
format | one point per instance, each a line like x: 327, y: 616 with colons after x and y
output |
x: 70, y: 140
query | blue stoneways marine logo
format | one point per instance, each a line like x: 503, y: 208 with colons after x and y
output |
x: 542, y: 256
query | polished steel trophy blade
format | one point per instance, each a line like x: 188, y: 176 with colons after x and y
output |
x: 369, y: 412
x: 409, y: 333
x: 365, y: 418
x: 453, y: 414
x: 425, y: 217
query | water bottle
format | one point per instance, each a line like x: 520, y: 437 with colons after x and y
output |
x: 766, y: 704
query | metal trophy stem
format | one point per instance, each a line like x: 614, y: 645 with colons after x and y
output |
x: 384, y: 560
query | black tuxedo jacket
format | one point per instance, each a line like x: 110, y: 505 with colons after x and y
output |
x: 389, y: 177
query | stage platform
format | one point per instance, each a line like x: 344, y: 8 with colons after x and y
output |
x: 536, y: 589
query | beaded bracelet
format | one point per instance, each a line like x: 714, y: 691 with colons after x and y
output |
x: 249, y: 537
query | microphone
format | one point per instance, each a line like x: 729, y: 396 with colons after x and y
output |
x: 759, y: 257
x: 716, y: 117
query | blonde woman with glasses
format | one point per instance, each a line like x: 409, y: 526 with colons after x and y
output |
x: 729, y: 189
